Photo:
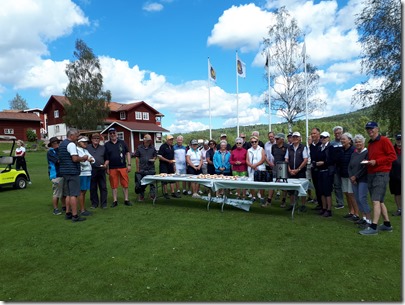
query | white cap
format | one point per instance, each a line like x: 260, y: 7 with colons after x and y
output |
x: 325, y: 134
x: 296, y: 133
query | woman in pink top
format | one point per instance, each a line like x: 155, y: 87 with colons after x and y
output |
x: 238, y: 163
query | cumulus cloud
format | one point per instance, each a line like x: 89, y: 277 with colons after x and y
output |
x: 26, y: 26
x: 241, y: 27
x: 184, y: 126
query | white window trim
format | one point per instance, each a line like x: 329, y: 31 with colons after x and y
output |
x: 123, y: 115
x: 138, y: 115
x: 56, y: 114
x: 145, y: 116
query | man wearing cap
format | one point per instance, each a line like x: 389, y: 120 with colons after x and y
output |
x: 54, y: 175
x: 314, y: 143
x: 224, y: 138
x: 145, y: 164
x: 289, y: 138
x: 118, y: 163
x: 167, y: 164
x: 297, y: 158
x: 381, y: 154
x: 98, y: 178
x: 278, y: 152
x: 395, y: 176
x: 69, y: 161
x: 337, y: 179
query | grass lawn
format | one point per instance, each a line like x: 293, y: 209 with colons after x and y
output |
x: 178, y: 251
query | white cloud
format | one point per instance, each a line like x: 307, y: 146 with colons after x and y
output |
x: 241, y: 27
x: 340, y: 73
x: 184, y: 126
x: 26, y: 26
x: 152, y: 7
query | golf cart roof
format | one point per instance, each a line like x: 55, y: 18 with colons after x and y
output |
x: 7, y: 138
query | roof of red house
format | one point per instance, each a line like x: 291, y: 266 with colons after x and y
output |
x: 114, y: 106
x: 19, y: 116
x: 135, y: 126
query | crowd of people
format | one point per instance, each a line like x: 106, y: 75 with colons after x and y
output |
x: 342, y: 165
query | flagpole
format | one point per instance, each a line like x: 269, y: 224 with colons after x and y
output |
x: 306, y: 92
x: 237, y: 96
x: 268, y: 81
x: 209, y: 96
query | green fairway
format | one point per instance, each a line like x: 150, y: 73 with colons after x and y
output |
x: 178, y: 251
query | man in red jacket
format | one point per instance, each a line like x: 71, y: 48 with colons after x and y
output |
x: 381, y: 154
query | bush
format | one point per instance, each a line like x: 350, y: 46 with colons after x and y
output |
x: 31, y: 135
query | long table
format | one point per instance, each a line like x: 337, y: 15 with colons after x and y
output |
x: 300, y: 186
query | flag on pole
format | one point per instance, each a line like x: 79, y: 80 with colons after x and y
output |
x: 212, y: 75
x: 240, y: 68
x: 304, y: 51
x: 267, y: 64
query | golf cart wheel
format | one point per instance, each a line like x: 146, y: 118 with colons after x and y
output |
x: 20, y: 183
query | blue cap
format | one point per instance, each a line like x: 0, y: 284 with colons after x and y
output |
x: 111, y: 129
x: 371, y: 125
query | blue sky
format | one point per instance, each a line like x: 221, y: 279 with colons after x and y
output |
x: 157, y: 51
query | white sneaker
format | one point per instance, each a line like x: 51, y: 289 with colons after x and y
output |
x: 195, y: 195
x: 189, y: 192
x: 200, y: 192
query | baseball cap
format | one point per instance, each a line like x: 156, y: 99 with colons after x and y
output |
x: 296, y: 134
x: 53, y: 140
x: 112, y: 129
x: 194, y: 142
x: 95, y: 135
x: 371, y: 125
x: 280, y: 136
x: 223, y: 135
x: 147, y: 137
x: 83, y: 139
x: 289, y: 135
x: 398, y: 137
x: 325, y: 134
x: 169, y: 137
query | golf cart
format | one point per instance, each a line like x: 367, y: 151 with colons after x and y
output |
x: 9, y: 176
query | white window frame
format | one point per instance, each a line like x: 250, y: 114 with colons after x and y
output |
x: 145, y: 116
x: 56, y: 114
x: 123, y: 115
x: 8, y: 131
x: 138, y: 115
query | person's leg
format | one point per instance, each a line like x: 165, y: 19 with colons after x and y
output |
x: 94, y: 199
x: 102, y: 185
x: 337, y: 186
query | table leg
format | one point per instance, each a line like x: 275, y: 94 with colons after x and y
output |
x: 294, y: 204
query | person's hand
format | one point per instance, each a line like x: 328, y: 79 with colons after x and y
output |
x: 85, y: 157
x: 372, y: 162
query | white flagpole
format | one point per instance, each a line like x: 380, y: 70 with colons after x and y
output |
x: 209, y: 95
x: 306, y: 92
x: 268, y: 81
x: 237, y: 97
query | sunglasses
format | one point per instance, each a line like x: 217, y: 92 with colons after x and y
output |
x: 322, y: 137
x: 112, y: 132
x: 253, y: 142
x: 238, y: 143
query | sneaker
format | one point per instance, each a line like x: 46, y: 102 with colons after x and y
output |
x: 348, y: 215
x: 64, y: 209
x: 327, y: 214
x: 310, y: 200
x: 184, y: 192
x: 57, y: 212
x: 303, y: 208
x: 128, y: 203
x: 383, y: 227
x: 368, y: 231
x: 263, y: 203
x: 114, y: 204
x: 353, y: 218
x: 195, y: 195
x: 166, y: 196
x: 141, y: 198
x: 253, y: 199
x: 200, y: 192
x: 360, y: 222
x: 282, y: 205
x: 278, y: 195
x: 178, y: 191
x: 189, y: 193
x: 397, y: 213
x: 175, y: 195
x: 339, y: 206
x: 93, y: 207
x: 321, y: 212
x: 68, y: 216
x: 85, y: 213
x: 78, y: 218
